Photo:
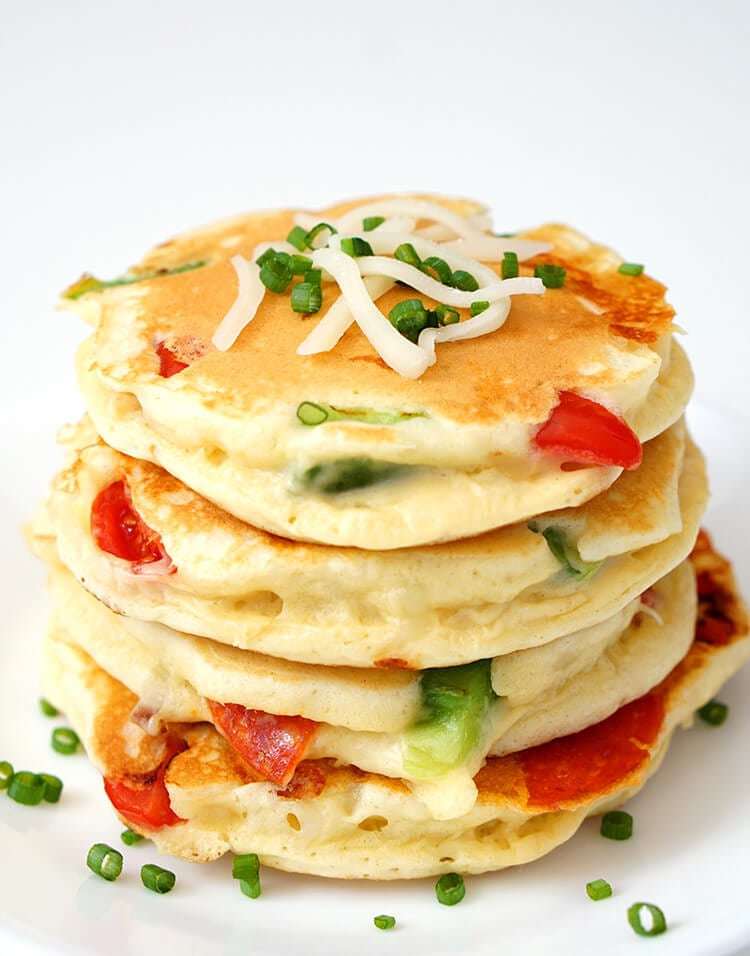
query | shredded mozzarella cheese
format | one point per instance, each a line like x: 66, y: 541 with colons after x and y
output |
x: 250, y: 294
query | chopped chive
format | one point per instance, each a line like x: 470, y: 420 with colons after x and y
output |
x: 437, y: 268
x: 53, y: 787
x: 311, y: 414
x: 478, y: 307
x: 657, y: 921
x: 298, y: 238
x: 461, y: 279
x: 410, y: 316
x: 270, y: 253
x: 250, y: 888
x: 552, y: 276
x: 405, y: 307
x: 509, y: 265
x: 88, y: 283
x: 104, y: 861
x: 714, y: 713
x: 245, y: 866
x: 408, y: 254
x: 630, y: 268
x: 130, y: 837
x: 354, y: 246
x: 372, y: 222
x: 598, y: 889
x: 26, y: 787
x: 313, y: 275
x: 306, y: 298
x: 65, y: 740
x: 299, y: 265
x: 566, y: 551
x: 6, y: 772
x: 156, y: 878
x: 384, y: 922
x: 446, y: 315
x: 617, y: 825
x: 450, y: 889
x: 275, y: 273
x: 49, y: 710
x: 319, y: 235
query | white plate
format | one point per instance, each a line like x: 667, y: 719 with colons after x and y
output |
x: 690, y: 853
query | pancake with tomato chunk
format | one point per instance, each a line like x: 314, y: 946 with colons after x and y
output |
x: 542, y: 389
x: 191, y: 791
x: 384, y: 721
x: 198, y: 569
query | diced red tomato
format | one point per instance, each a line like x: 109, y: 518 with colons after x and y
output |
x: 583, y: 431
x: 169, y: 364
x: 273, y: 744
x: 118, y: 529
x: 146, y: 803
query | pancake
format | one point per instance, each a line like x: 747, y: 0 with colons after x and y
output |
x: 340, y: 821
x: 451, y: 453
x: 409, y: 608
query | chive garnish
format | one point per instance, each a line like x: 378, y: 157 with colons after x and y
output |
x: 299, y: 265
x: 104, y: 861
x: 53, y: 787
x: 156, y: 878
x: 315, y: 413
x: 461, y: 279
x: 346, y: 474
x: 314, y: 275
x: 275, y: 273
x: 450, y: 889
x: 658, y: 923
x: 509, y: 265
x: 552, y: 276
x: 89, y: 283
x: 354, y: 246
x: 408, y: 254
x: 478, y: 307
x: 26, y: 787
x: 306, y: 298
x: 6, y: 772
x: 64, y: 740
x: 246, y: 869
x: 130, y: 837
x: 319, y: 235
x: 372, y: 222
x: 617, y: 825
x: 713, y: 713
x: 384, y: 922
x: 409, y: 316
x: 630, y: 268
x: 298, y: 238
x: 437, y: 268
x: 49, y: 710
x: 566, y: 551
x: 311, y: 414
x: 446, y: 315
x: 270, y: 253
x: 598, y: 889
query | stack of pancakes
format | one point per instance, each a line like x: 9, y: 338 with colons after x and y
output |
x: 368, y: 622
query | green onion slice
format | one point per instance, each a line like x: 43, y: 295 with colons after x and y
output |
x: 315, y: 276
x: 130, y: 837
x: 461, y: 279
x: 156, y: 878
x: 315, y: 413
x: 88, y: 283
x: 6, y: 772
x: 306, y: 298
x: 65, y: 740
x: 630, y: 268
x: 53, y: 787
x: 714, y: 713
x: 347, y: 474
x: 408, y: 254
x: 617, y: 825
x: 299, y: 265
x: 269, y: 254
x: 509, y: 265
x: 319, y: 235
x: 478, y: 307
x: 598, y: 889
x: 657, y: 921
x: 354, y: 246
x: 446, y: 315
x: 437, y: 268
x: 26, y: 787
x: 552, y: 276
x: 104, y: 861
x: 372, y: 222
x: 251, y: 888
x: 450, y: 889
x: 49, y: 710
x: 384, y: 922
x: 245, y: 866
x: 275, y: 273
x: 566, y: 551
x: 298, y: 238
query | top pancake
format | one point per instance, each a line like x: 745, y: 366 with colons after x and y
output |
x: 227, y: 425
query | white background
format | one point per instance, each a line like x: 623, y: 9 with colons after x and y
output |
x: 122, y: 124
